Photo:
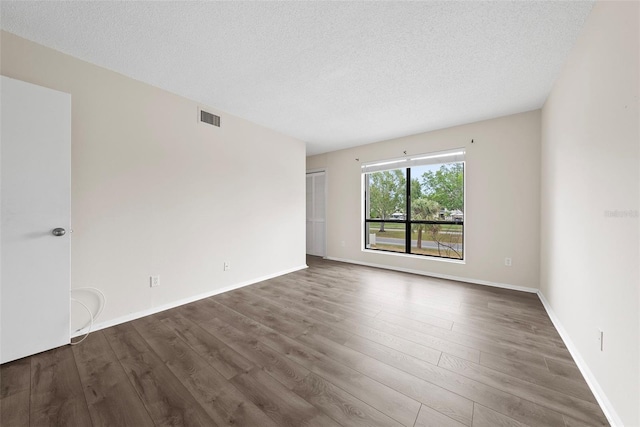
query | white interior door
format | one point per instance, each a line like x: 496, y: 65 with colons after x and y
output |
x: 316, y: 214
x: 35, y: 166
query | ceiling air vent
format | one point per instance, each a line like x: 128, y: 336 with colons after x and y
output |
x: 212, y: 119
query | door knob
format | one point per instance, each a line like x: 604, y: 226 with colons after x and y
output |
x: 59, y: 232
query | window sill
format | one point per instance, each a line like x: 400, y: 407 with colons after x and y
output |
x: 422, y: 257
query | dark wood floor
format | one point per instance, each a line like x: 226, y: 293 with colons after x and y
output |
x: 335, y: 344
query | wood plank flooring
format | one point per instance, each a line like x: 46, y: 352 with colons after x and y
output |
x: 333, y: 345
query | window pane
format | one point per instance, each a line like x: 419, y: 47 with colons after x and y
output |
x: 443, y: 240
x: 386, y: 194
x: 437, y: 194
x: 385, y: 236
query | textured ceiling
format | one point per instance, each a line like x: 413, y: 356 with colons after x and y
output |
x: 333, y: 74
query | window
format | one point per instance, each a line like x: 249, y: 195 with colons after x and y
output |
x: 416, y: 205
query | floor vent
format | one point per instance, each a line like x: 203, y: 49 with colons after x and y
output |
x: 209, y: 118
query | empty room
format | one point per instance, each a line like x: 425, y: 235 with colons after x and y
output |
x: 320, y: 213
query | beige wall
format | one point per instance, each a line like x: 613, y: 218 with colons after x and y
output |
x: 590, y: 164
x: 502, y: 199
x: 156, y: 192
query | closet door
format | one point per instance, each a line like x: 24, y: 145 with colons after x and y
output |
x: 35, y: 217
x: 316, y: 227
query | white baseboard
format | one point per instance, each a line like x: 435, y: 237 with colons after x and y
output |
x: 173, y: 304
x: 438, y: 275
x: 598, y: 393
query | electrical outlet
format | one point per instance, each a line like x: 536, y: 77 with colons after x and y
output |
x: 226, y: 266
x: 343, y: 243
x: 154, y: 281
x: 601, y: 339
x: 507, y: 262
